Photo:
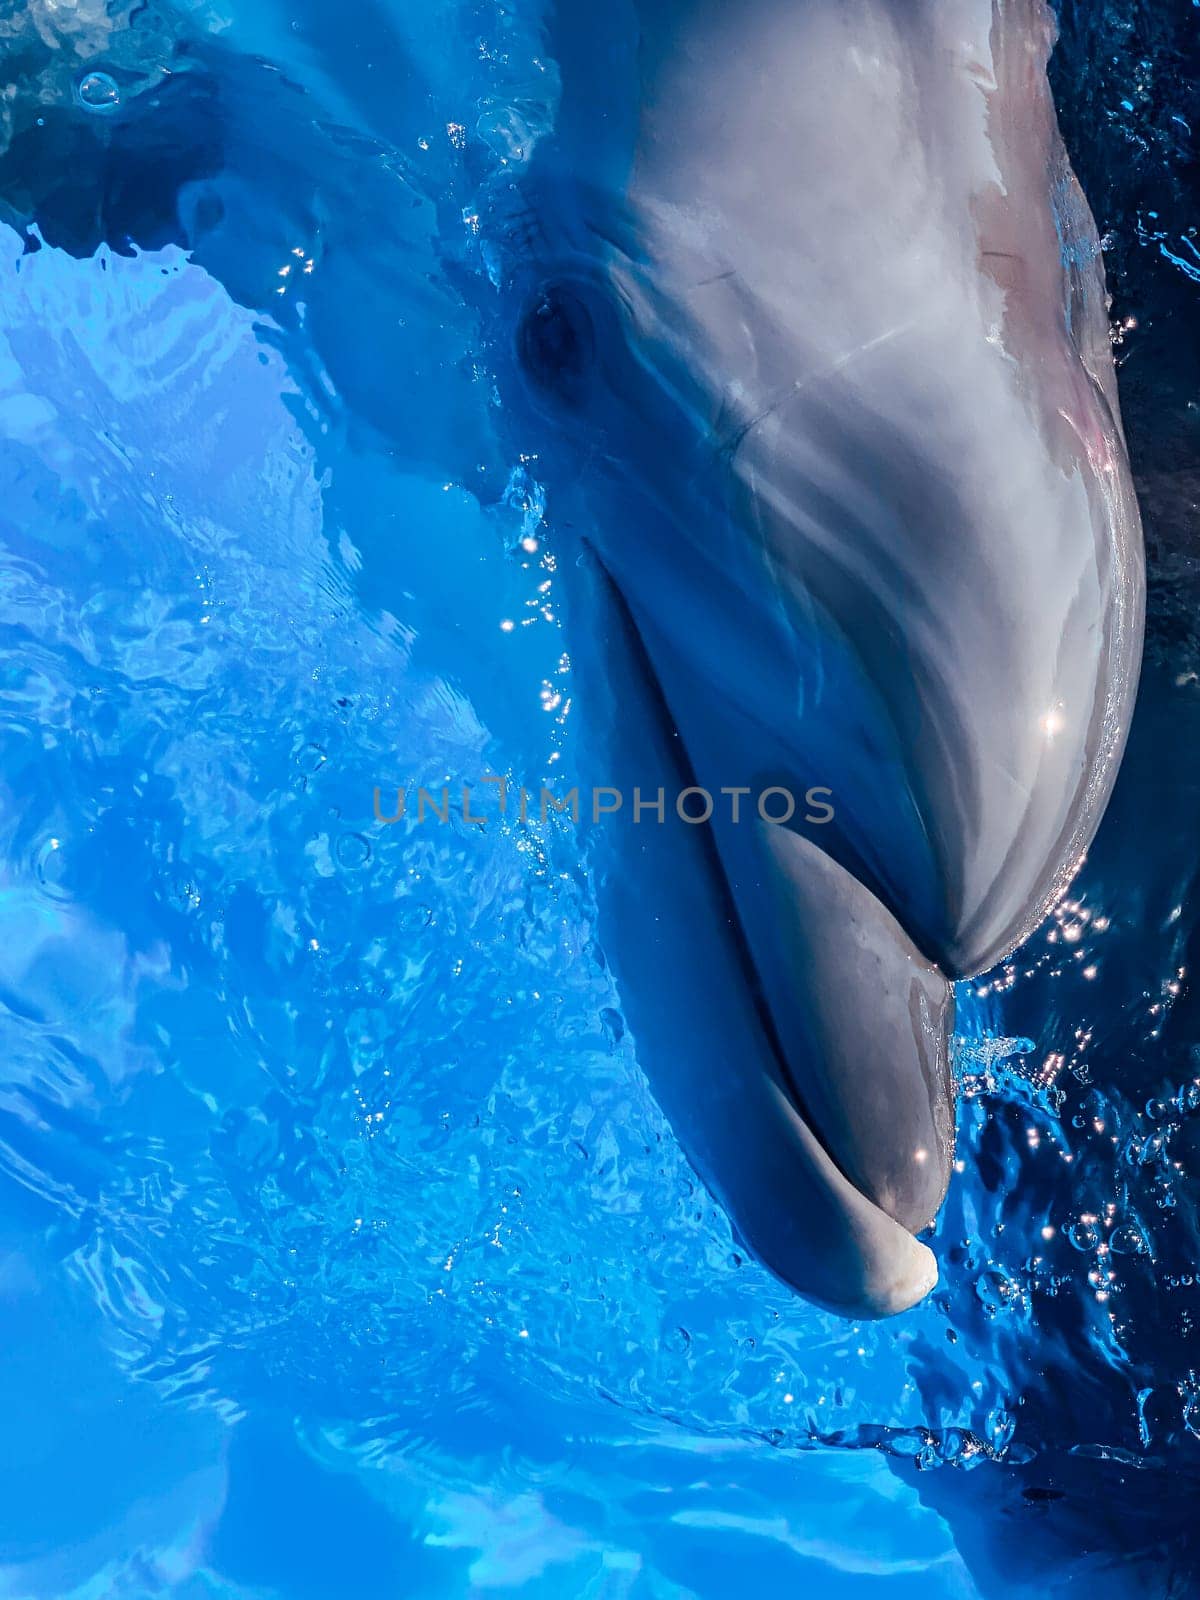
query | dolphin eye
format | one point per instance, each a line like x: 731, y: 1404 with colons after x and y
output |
x: 556, y: 342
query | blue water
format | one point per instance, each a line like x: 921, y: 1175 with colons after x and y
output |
x: 343, y: 1248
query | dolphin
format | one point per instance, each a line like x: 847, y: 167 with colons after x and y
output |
x: 816, y: 307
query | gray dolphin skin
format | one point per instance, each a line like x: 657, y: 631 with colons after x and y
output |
x: 819, y: 307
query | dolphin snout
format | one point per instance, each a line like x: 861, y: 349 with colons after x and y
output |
x: 863, y: 1024
x: 855, y: 1068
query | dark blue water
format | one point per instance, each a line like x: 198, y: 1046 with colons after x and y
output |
x: 343, y: 1249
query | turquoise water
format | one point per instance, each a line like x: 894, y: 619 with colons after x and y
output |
x: 343, y: 1248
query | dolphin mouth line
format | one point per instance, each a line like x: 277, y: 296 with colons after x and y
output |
x: 749, y: 970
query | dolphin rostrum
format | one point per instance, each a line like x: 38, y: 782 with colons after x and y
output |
x: 817, y: 299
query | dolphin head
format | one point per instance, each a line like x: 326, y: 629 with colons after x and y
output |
x: 815, y: 296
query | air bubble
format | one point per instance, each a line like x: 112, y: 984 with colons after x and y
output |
x: 98, y: 91
x: 51, y: 869
x: 183, y: 895
x: 1084, y: 1235
x: 996, y: 1291
x: 413, y: 919
x: 1129, y: 1240
x: 352, y: 850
